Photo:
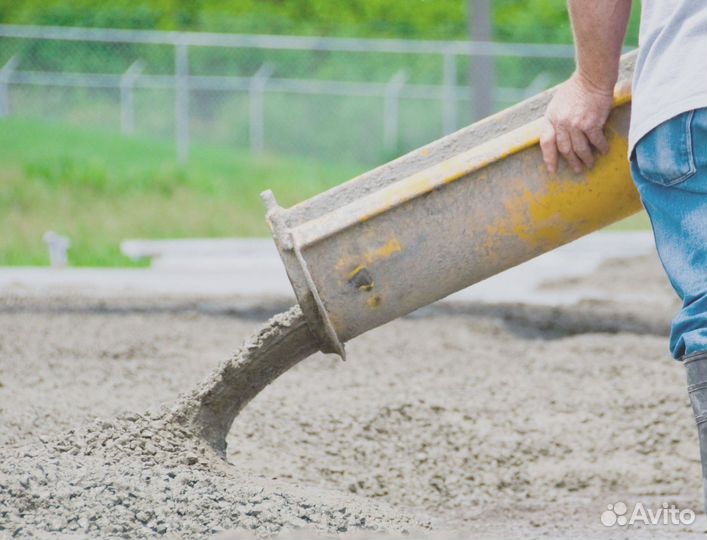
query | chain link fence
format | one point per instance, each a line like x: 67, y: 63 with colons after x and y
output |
x: 359, y: 100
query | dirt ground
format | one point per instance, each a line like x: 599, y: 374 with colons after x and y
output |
x: 493, y: 421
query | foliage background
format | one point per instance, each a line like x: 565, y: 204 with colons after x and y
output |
x: 539, y: 21
x: 64, y: 166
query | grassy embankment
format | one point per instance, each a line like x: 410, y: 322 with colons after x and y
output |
x: 100, y: 188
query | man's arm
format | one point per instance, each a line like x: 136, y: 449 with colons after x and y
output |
x: 579, y: 109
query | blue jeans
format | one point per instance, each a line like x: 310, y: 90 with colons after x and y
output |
x: 669, y: 167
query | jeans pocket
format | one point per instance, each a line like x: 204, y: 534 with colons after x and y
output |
x: 665, y: 155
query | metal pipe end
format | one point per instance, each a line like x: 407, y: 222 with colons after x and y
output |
x: 268, y: 198
x: 305, y: 289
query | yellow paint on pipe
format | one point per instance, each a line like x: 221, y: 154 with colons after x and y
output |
x: 373, y: 302
x: 455, y: 168
x: 570, y: 205
x: 385, y: 251
x: 355, y: 272
x: 388, y: 249
x: 473, y: 160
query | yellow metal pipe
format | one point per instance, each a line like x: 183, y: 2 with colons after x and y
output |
x: 377, y: 254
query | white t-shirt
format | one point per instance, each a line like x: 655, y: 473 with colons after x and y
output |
x: 671, y: 70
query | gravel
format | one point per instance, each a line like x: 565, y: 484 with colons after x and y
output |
x: 140, y: 475
x: 492, y: 421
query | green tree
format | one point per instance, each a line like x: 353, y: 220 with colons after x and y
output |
x: 514, y: 20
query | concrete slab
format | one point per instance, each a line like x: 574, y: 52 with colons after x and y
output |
x: 252, y: 268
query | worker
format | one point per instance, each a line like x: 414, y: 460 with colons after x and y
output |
x: 667, y: 147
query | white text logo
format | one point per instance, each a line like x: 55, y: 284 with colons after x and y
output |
x: 618, y: 514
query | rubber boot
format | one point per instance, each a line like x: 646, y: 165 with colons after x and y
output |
x: 696, y: 365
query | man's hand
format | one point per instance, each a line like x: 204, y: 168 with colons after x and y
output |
x: 575, y: 123
x: 579, y: 109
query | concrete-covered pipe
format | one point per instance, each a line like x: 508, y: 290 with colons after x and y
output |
x: 444, y: 217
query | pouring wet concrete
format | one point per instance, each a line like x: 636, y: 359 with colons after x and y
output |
x: 497, y: 421
x: 211, y: 409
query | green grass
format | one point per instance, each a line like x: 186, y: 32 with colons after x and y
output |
x: 637, y: 222
x: 100, y: 188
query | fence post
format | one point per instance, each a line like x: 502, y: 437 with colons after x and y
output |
x: 449, y: 94
x: 482, y: 65
x: 181, y: 82
x: 537, y: 85
x: 127, y: 97
x: 5, y: 75
x: 257, y: 115
x: 391, y: 108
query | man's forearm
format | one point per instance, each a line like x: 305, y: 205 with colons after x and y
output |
x: 599, y: 28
